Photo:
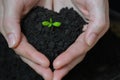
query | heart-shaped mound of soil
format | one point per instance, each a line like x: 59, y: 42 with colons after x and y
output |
x: 51, y: 40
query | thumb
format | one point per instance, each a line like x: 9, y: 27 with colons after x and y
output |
x: 98, y: 21
x: 95, y: 30
x: 11, y: 23
x: 11, y: 32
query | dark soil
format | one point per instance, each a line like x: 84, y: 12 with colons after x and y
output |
x: 52, y: 41
x: 101, y: 63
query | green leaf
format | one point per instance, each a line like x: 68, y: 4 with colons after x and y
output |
x: 50, y: 25
x: 45, y: 23
x: 57, y: 24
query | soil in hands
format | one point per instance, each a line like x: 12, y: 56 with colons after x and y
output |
x: 52, y: 41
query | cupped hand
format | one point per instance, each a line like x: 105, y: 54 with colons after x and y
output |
x: 96, y: 13
x: 11, y: 12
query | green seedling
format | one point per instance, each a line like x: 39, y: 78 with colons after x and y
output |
x: 51, y: 23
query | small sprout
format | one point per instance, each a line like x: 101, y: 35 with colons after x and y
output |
x: 51, y: 23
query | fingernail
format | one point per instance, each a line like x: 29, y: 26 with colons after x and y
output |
x: 57, y: 65
x: 91, y: 39
x: 11, y: 40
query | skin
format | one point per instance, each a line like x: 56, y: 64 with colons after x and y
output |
x: 11, y: 12
x: 95, y: 12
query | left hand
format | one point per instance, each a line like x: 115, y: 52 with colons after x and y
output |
x: 11, y: 12
x: 97, y: 13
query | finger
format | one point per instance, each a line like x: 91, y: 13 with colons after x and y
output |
x: 80, y: 5
x: 78, y: 48
x: 46, y: 73
x: 46, y: 4
x: 26, y: 50
x: 60, y: 73
x: 98, y: 21
x: 59, y: 4
x: 11, y: 20
x: 28, y: 5
x: 98, y: 18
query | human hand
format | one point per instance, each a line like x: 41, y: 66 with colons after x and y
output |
x: 97, y: 14
x: 11, y: 11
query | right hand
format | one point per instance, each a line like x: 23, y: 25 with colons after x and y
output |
x: 11, y: 12
x: 97, y: 14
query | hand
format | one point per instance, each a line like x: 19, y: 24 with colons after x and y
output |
x: 11, y: 12
x: 97, y: 14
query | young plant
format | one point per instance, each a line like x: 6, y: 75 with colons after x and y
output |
x: 51, y: 23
